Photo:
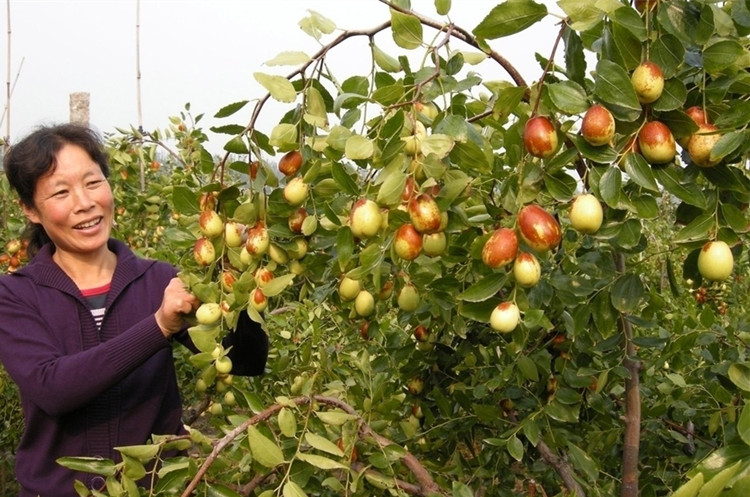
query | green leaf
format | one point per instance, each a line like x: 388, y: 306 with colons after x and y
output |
x: 407, y: 30
x: 291, y: 489
x: 689, y: 489
x: 359, y: 147
x: 344, y: 247
x: 278, y: 285
x: 204, y: 337
x: 287, y: 422
x: 94, y: 465
x: 640, y: 172
x: 385, y: 61
x: 484, y: 288
x: 343, y: 179
x: 335, y: 418
x: 610, y: 186
x: 510, y: 17
x: 687, y: 192
x: 289, y: 58
x: 627, y: 293
x: 264, y: 450
x: 743, y: 424
x: 185, y: 201
x: 613, y: 86
x: 721, y: 55
x: 569, y: 97
x: 714, y: 486
x: 515, y: 448
x: 697, y: 229
x: 280, y: 88
x: 583, y: 461
x: 230, y: 109
x: 321, y: 443
x: 739, y: 373
x: 321, y: 462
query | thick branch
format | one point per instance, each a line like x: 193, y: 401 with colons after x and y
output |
x: 632, y: 418
x: 562, y: 468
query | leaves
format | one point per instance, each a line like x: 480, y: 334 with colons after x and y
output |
x: 509, y: 18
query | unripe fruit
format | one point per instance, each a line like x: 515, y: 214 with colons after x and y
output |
x: 648, y: 82
x: 200, y: 385
x: 429, y: 110
x: 349, y: 288
x: 208, y: 313
x: 407, y: 242
x: 13, y: 246
x: 424, y: 213
x: 505, y: 317
x: 216, y: 408
x: 415, y: 386
x: 434, y: 244
x: 598, y: 125
x: 656, y: 143
x: 540, y: 137
x: 413, y: 143
x: 210, y: 224
x: 701, y: 143
x: 538, y: 228
x: 500, y: 248
x: 204, y: 252
x: 365, y: 218
x: 229, y: 398
x: 290, y: 163
x: 408, y: 298
x: 257, y: 300
x: 296, y: 191
x: 223, y: 365
x: 526, y: 270
x: 364, y: 303
x: 715, y: 261
x: 586, y: 214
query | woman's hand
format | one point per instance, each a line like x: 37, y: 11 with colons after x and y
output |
x: 176, y: 303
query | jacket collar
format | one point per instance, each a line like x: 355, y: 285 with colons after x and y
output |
x: 44, y: 271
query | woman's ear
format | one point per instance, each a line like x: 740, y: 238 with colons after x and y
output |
x: 30, y: 213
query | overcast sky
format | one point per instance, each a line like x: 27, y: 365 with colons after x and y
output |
x: 202, y: 52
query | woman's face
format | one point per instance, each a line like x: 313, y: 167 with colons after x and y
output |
x: 74, y: 203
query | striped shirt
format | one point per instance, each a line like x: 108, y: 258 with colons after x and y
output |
x: 96, y: 297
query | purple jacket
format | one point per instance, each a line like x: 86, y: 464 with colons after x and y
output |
x: 85, y: 391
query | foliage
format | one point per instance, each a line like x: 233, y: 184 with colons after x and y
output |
x: 623, y: 352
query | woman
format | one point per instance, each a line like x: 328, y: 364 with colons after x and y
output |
x: 86, y: 326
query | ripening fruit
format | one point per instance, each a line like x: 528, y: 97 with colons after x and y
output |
x: 425, y: 214
x: 415, y: 385
x: 210, y: 223
x: 365, y: 218
x: 208, y: 313
x: 538, y: 228
x: 715, y: 261
x: 701, y: 143
x: 500, y: 248
x: 364, y: 303
x: 407, y: 242
x: 656, y: 143
x: 648, y: 82
x: 540, y: 137
x: 290, y: 163
x: 258, y: 239
x: 526, y: 270
x: 505, y: 317
x: 586, y: 214
x: 257, y: 300
x: 262, y: 276
x: 598, y: 125
x: 349, y: 288
x: 204, y: 251
x: 233, y: 234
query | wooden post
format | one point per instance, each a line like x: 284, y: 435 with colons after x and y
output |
x: 79, y: 108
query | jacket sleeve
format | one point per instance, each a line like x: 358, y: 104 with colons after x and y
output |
x: 249, y: 347
x: 58, y: 383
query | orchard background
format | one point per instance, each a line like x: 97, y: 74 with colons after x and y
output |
x: 379, y: 223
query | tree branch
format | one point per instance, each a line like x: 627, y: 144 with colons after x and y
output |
x: 632, y: 418
x: 562, y: 468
